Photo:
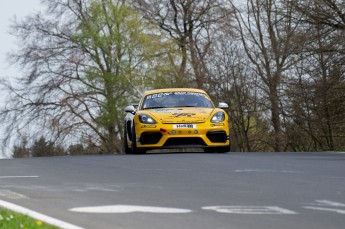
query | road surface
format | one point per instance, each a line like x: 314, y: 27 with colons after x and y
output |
x: 182, y: 190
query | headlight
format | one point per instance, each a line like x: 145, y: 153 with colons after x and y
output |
x: 218, y: 117
x: 146, y: 119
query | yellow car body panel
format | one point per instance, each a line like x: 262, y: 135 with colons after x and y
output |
x: 171, y: 131
x: 178, y: 127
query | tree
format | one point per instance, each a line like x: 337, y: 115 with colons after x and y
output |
x: 76, y: 149
x: 329, y: 13
x: 83, y: 62
x: 235, y: 83
x: 192, y: 24
x: 43, y: 148
x: 317, y: 94
x: 21, y: 150
x: 267, y: 31
x: 317, y: 90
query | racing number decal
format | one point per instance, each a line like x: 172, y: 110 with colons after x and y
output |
x: 177, y: 115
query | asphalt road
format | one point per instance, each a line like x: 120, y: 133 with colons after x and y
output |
x: 183, y: 190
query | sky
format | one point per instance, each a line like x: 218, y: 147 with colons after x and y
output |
x: 8, y: 10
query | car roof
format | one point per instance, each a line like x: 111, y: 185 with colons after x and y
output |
x: 174, y: 89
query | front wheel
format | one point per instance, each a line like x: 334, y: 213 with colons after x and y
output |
x: 135, y: 149
x: 126, y: 149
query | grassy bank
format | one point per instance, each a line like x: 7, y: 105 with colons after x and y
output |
x: 12, y: 220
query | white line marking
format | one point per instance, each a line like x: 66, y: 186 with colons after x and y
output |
x: 9, y: 177
x: 11, y: 195
x: 130, y: 209
x: 38, y: 216
x: 326, y: 209
x: 251, y: 210
x: 250, y: 170
x: 264, y: 171
x: 329, y: 203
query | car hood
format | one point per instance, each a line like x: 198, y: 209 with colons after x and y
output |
x: 182, y: 115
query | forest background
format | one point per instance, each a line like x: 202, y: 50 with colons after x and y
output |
x: 279, y: 64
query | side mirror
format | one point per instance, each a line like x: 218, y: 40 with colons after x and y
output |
x: 130, y: 109
x: 135, y: 104
x: 223, y: 105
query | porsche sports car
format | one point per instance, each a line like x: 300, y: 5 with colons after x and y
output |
x: 176, y: 118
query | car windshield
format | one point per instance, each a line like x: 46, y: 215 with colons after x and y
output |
x: 176, y: 99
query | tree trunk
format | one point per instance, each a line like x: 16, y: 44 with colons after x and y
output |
x: 275, y: 118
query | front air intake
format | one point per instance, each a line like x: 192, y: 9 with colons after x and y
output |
x: 217, y: 136
x: 149, y: 138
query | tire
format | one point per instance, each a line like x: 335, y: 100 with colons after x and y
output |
x: 135, y: 149
x: 126, y: 149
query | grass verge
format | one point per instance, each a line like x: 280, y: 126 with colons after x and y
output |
x: 12, y: 220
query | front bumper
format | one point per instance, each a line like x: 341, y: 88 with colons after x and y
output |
x: 166, y: 136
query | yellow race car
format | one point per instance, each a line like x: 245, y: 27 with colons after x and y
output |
x: 176, y: 118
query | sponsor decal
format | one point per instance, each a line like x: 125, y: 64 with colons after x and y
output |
x: 164, y: 111
x: 217, y: 124
x: 177, y: 115
x: 148, y: 126
x: 163, y: 94
x: 158, y: 95
x: 190, y: 93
